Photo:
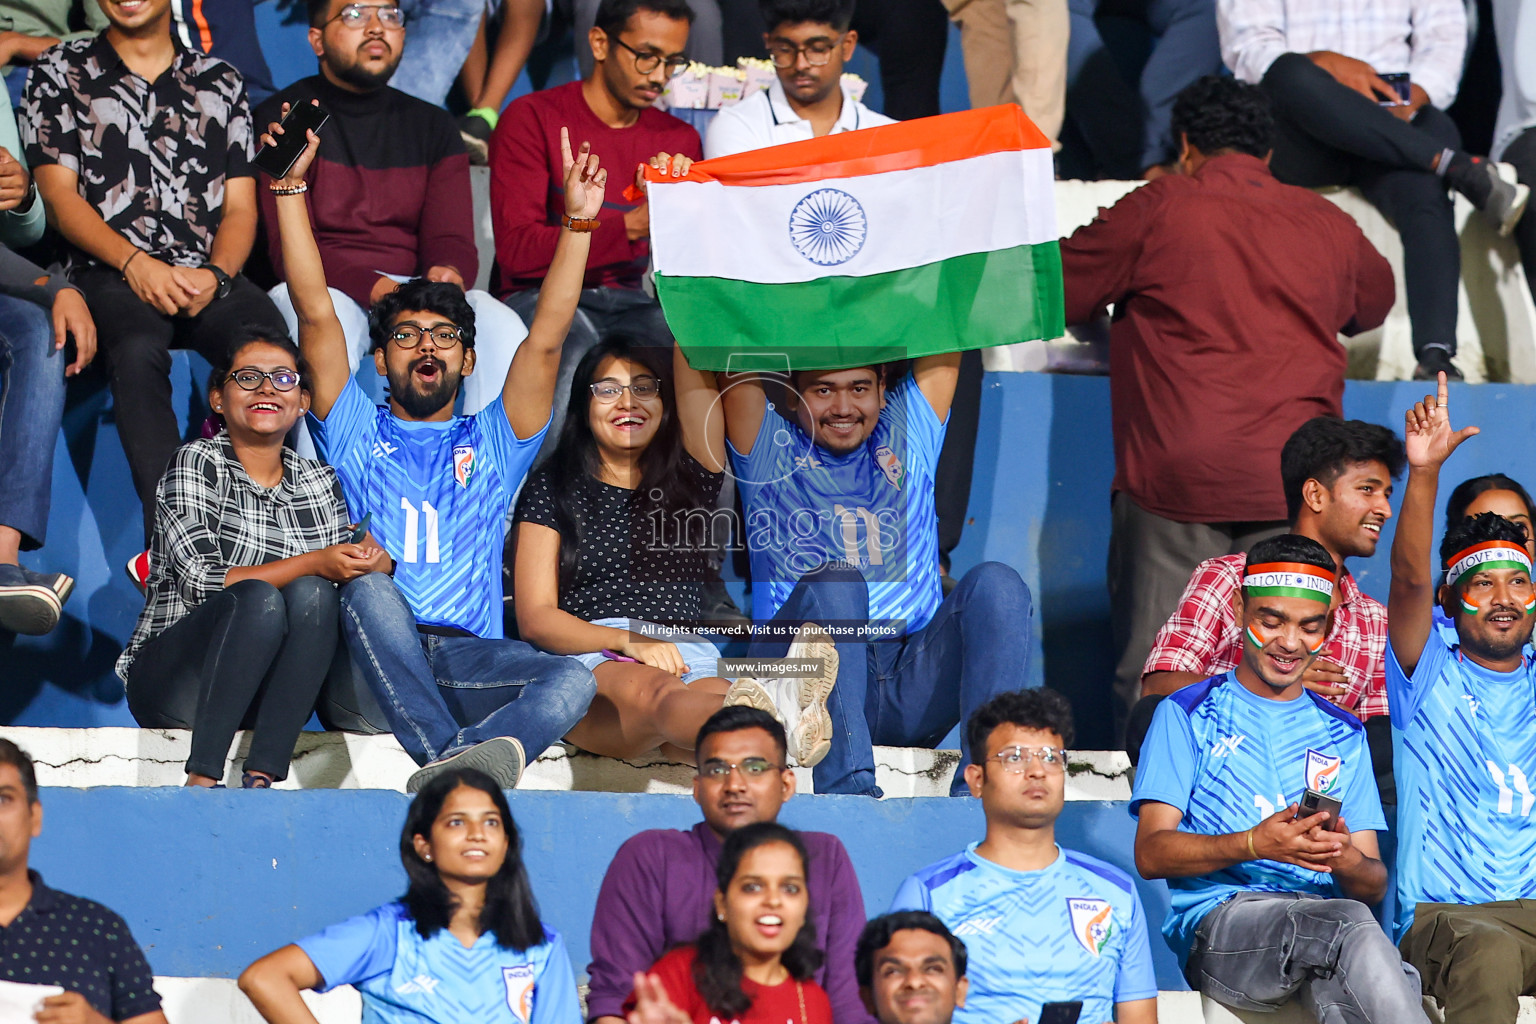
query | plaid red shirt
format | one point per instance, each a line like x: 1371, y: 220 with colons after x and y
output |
x: 1203, y: 636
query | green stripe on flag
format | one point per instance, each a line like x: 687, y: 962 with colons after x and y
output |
x: 974, y: 301
x: 1309, y: 594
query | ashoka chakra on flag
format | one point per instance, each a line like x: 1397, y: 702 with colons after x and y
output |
x: 911, y: 239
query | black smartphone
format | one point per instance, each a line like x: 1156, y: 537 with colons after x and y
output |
x: 1312, y: 802
x: 1400, y: 82
x: 1061, y: 1013
x: 360, y: 530
x: 302, y: 119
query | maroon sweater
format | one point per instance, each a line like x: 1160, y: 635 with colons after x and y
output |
x: 527, y: 186
x: 389, y: 189
x: 1229, y: 290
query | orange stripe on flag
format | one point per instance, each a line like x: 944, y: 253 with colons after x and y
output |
x: 896, y: 147
x: 204, y: 33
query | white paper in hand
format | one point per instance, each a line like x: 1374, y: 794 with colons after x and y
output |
x: 19, y: 1003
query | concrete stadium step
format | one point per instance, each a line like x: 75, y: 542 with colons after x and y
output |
x: 219, y: 1001
x: 114, y: 756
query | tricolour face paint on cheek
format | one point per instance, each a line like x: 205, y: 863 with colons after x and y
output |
x: 1471, y: 607
x: 1255, y: 639
x: 1530, y: 605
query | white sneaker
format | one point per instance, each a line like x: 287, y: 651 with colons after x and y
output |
x: 500, y: 757
x: 804, y: 701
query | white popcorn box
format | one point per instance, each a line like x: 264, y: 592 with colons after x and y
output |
x: 725, y: 86
x: 855, y: 84
x: 689, y: 90
x: 759, y: 72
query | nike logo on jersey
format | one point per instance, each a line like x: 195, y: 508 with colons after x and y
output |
x: 1225, y: 745
x: 420, y: 983
x: 382, y: 448
x: 978, y: 925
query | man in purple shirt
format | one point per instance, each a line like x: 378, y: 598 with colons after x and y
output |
x: 658, y: 890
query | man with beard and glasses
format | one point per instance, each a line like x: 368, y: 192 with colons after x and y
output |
x: 1462, y: 708
x: 436, y: 489
x: 1269, y: 900
x: 840, y: 525
x: 392, y: 194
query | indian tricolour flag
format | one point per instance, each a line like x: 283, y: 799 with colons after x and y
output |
x: 911, y: 239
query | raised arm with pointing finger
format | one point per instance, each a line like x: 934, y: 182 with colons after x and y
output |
x: 1411, y: 603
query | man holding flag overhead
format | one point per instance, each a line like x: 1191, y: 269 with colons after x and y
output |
x: 806, y: 257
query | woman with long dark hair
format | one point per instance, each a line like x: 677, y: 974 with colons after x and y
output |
x: 1496, y: 493
x: 464, y: 943
x: 612, y: 550
x: 753, y: 965
x: 250, y: 543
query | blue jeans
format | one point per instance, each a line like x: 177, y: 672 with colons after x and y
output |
x: 1260, y: 950
x: 442, y: 694
x: 1127, y: 127
x: 911, y: 691
x: 438, y: 35
x: 31, y: 402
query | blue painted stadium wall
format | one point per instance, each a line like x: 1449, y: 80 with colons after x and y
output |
x: 1040, y: 503
x: 210, y: 880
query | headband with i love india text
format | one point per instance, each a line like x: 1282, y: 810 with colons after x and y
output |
x: 1289, y: 579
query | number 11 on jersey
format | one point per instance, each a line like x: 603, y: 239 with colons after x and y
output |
x: 412, y: 531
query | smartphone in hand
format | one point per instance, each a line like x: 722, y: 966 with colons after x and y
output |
x: 1312, y: 801
x: 1401, y: 83
x: 1061, y: 1013
x: 302, y: 119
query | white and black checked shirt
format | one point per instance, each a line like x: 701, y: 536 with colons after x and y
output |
x: 1426, y: 38
x: 211, y: 517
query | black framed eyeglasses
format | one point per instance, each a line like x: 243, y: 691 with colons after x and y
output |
x: 645, y: 62
x: 751, y: 768
x: 818, y: 52
x: 409, y: 336
x: 250, y: 379
x: 608, y: 391
x: 357, y: 15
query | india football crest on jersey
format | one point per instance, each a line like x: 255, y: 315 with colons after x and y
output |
x: 463, y: 463
x: 1092, y: 922
x: 519, y: 982
x: 889, y: 464
x: 1323, y: 772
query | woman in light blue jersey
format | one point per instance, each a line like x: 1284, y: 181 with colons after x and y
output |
x: 464, y: 943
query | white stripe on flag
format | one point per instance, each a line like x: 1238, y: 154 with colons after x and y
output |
x: 910, y: 218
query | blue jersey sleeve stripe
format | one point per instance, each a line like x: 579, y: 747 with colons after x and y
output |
x: 1107, y: 872
x: 945, y: 871
x: 1333, y: 710
x: 1191, y: 696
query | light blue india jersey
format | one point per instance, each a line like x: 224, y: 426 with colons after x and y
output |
x: 872, y: 508
x: 1464, y: 746
x: 1073, y: 930
x: 406, y: 979
x: 438, y: 494
x: 1228, y: 759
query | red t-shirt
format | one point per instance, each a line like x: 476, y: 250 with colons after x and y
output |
x: 771, y: 1004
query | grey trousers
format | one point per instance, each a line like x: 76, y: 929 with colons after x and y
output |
x: 1260, y: 950
x: 1150, y: 562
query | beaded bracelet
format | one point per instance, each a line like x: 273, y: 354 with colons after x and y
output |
x: 289, y: 190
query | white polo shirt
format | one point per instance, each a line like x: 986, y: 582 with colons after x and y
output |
x: 766, y: 119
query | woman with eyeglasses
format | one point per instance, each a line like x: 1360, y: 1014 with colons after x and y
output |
x: 250, y: 542
x: 612, y: 550
x: 753, y: 964
x: 464, y: 945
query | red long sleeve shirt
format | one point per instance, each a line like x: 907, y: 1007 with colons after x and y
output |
x: 1230, y: 290
x: 527, y: 186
